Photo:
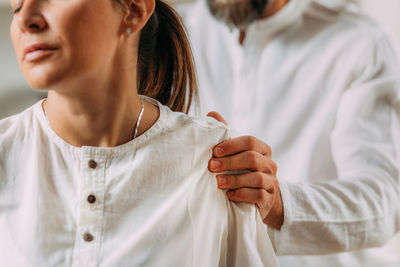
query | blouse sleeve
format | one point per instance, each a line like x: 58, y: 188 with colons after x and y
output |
x: 248, y: 241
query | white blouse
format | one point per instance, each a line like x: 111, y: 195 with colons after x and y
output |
x: 149, y: 202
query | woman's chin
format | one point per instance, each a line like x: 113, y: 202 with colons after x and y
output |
x: 40, y: 85
x: 43, y: 81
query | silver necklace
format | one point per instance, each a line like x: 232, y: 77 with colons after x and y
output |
x: 137, y: 122
x: 139, y: 119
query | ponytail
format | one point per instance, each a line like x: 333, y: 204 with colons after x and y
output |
x: 166, y: 70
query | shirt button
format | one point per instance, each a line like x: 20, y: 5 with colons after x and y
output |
x: 92, y: 164
x: 91, y: 199
x: 88, y: 237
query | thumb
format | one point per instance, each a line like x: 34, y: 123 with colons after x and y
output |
x: 217, y: 116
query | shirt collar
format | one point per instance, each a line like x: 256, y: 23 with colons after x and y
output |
x: 289, y: 15
x: 337, y: 5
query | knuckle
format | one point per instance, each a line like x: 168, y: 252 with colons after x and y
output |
x: 240, y: 194
x: 271, y: 187
x: 266, y: 202
x: 269, y: 149
x: 274, y: 167
x: 271, y: 167
x: 253, y: 159
x: 261, y: 196
x: 252, y: 142
x: 258, y: 179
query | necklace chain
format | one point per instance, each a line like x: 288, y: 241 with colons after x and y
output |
x: 137, y: 122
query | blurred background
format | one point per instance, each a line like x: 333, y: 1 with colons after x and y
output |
x: 15, y: 94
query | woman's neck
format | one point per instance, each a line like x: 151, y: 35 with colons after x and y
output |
x: 99, y: 116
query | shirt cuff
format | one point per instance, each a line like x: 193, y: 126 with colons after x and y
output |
x: 278, y: 236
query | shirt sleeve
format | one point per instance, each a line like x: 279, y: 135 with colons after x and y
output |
x: 361, y: 208
x: 248, y: 241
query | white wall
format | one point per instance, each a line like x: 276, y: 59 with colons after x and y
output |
x: 9, y: 69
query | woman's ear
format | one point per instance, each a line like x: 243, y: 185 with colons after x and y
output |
x: 139, y: 12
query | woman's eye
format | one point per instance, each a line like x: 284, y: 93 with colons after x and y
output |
x: 17, y: 10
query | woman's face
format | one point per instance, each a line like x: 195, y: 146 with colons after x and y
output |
x: 60, y: 40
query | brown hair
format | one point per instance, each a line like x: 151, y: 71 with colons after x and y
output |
x: 166, y: 70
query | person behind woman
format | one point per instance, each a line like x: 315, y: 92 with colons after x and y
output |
x: 97, y: 175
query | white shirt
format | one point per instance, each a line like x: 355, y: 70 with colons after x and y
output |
x: 320, y: 86
x: 156, y: 203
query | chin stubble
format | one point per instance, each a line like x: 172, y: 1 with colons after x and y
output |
x: 238, y: 13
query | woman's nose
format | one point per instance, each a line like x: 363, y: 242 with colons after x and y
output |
x: 31, y: 18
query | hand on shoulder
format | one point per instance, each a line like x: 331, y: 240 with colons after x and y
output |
x: 257, y: 186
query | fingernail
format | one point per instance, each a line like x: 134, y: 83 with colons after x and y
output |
x: 222, y: 180
x: 218, y: 151
x: 215, y: 164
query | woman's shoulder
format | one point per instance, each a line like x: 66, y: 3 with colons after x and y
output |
x: 197, y: 127
x: 177, y: 128
x: 16, y: 125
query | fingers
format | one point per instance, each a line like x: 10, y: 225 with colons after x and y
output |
x: 260, y: 197
x: 269, y: 203
x: 259, y: 186
x: 240, y: 144
x: 248, y: 160
x: 255, y: 180
x: 217, y: 116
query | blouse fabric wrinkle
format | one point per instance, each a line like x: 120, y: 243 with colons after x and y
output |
x: 320, y: 84
x: 149, y: 202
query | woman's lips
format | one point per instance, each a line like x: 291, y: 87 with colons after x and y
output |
x: 37, y: 52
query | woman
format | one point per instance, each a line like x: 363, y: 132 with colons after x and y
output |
x: 97, y: 175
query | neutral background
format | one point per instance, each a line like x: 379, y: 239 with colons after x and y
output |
x: 15, y: 94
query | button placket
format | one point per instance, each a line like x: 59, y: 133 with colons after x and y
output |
x: 242, y: 103
x: 91, y: 199
x: 237, y: 77
x: 243, y: 90
x: 88, y: 237
x: 89, y: 228
x: 92, y: 164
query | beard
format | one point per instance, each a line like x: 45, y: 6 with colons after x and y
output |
x: 238, y: 13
